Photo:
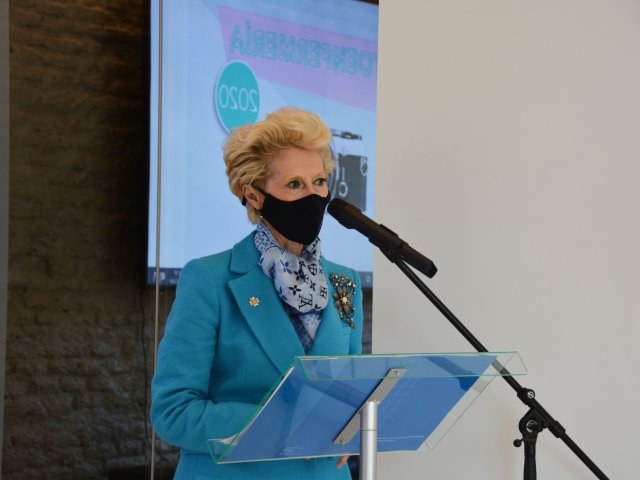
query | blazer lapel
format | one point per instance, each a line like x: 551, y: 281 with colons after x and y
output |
x: 261, y: 308
x: 331, y: 327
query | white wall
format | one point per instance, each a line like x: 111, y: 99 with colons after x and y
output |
x: 509, y: 153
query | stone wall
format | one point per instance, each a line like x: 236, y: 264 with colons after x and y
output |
x: 75, y: 381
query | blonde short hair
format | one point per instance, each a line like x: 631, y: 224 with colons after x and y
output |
x: 248, y: 148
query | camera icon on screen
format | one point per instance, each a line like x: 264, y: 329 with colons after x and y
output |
x: 349, y: 180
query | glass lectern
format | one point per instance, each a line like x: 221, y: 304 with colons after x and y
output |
x: 318, y: 407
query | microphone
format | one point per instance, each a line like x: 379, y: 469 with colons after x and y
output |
x: 385, y: 239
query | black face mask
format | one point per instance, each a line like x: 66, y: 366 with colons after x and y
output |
x: 300, y: 220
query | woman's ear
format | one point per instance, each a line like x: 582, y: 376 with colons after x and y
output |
x: 253, y: 197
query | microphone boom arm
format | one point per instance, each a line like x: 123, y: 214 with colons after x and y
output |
x: 526, y: 395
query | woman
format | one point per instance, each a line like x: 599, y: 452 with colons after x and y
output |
x: 241, y: 316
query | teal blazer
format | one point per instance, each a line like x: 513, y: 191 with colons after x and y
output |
x: 220, y: 356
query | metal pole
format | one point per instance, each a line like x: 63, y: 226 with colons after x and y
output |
x: 368, y: 440
x: 156, y: 321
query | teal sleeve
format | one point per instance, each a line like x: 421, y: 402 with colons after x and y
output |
x: 355, y: 342
x: 181, y: 411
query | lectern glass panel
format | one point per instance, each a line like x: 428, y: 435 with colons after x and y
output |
x: 302, y: 416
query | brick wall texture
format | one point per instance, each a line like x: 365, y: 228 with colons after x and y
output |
x: 75, y: 380
x: 80, y: 323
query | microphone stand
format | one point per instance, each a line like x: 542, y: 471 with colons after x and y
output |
x: 537, y: 418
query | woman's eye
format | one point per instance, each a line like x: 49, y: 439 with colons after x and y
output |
x: 320, y: 181
x: 293, y: 184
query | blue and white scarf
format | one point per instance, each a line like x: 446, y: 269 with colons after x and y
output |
x: 299, y: 281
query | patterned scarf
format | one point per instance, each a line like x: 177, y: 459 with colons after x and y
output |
x: 299, y: 281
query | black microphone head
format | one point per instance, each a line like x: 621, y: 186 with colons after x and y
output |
x: 343, y: 211
x: 336, y: 205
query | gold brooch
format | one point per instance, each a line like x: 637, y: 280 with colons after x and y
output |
x: 345, y: 290
x: 254, y: 301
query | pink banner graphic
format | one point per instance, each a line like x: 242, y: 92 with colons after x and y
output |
x: 331, y: 65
